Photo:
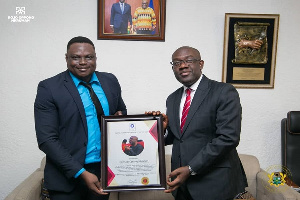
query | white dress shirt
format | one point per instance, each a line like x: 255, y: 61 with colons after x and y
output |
x: 194, y: 88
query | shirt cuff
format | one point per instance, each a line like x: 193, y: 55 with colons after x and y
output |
x: 166, y: 133
x: 79, y: 173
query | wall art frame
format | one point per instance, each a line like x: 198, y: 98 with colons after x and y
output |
x: 250, y: 46
x: 105, y: 32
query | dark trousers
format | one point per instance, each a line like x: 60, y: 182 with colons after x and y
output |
x: 183, y: 193
x: 81, y: 191
x: 148, y: 32
x: 121, y: 30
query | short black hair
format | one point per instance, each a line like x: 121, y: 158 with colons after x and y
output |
x: 192, y: 48
x: 79, y: 39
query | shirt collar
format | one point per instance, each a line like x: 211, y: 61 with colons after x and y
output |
x: 195, y: 85
x: 77, y: 81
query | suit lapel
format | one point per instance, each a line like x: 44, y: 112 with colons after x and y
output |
x: 199, y: 96
x: 125, y: 7
x: 118, y: 8
x: 105, y: 87
x: 69, y: 84
x: 176, y: 111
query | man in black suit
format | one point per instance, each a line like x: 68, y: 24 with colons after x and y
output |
x: 205, y: 163
x: 120, y: 16
x: 67, y: 127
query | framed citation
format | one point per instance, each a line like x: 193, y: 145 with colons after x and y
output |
x: 132, y: 153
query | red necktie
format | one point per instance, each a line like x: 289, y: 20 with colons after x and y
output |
x: 186, y: 107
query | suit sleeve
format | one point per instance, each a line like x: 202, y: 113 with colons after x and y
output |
x: 120, y: 104
x: 130, y: 17
x: 227, y: 135
x: 112, y: 15
x: 47, y: 132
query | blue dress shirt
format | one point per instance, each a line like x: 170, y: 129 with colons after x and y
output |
x: 94, y: 145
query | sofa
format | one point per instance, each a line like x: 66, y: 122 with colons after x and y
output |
x: 258, y: 185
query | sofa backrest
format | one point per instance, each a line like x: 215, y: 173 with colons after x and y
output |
x: 250, y: 164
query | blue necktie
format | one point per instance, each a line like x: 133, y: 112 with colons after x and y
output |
x: 122, y: 7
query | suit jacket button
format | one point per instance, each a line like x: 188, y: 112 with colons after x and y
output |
x: 181, y: 141
x: 85, y: 143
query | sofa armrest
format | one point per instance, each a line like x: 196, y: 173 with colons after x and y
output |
x: 267, y: 192
x: 29, y: 189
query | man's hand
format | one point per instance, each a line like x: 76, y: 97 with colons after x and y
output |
x: 118, y: 113
x: 181, y: 175
x: 165, y: 117
x: 112, y: 28
x: 127, y: 148
x: 254, y: 44
x: 92, y: 183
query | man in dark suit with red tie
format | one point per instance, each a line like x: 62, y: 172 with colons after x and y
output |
x: 67, y: 125
x: 120, y: 16
x: 203, y: 123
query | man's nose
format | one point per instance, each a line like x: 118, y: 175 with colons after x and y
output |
x: 183, y: 65
x: 82, y: 61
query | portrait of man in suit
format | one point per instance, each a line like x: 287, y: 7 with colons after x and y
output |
x: 120, y: 16
x: 203, y: 123
x: 67, y: 110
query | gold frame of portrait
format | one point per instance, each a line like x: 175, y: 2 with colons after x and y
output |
x: 103, y: 23
x: 109, y: 124
x: 246, y: 67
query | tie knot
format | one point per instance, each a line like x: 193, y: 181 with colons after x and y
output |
x: 87, y: 85
x: 188, y: 91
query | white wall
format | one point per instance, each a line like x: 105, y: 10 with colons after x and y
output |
x: 33, y: 51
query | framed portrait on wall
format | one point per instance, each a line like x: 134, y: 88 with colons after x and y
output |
x: 131, y: 20
x: 250, y: 45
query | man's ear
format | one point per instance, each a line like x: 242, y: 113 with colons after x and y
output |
x: 66, y: 57
x: 201, y: 63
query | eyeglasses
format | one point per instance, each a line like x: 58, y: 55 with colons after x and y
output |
x: 178, y: 63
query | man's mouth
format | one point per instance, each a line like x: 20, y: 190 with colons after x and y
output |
x: 82, y: 69
x: 186, y: 73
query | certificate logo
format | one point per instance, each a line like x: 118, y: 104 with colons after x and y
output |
x: 132, y: 127
x: 145, y: 181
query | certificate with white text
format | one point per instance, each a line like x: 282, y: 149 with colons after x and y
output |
x: 132, y: 153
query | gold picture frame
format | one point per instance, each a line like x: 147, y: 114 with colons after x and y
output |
x: 250, y: 46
